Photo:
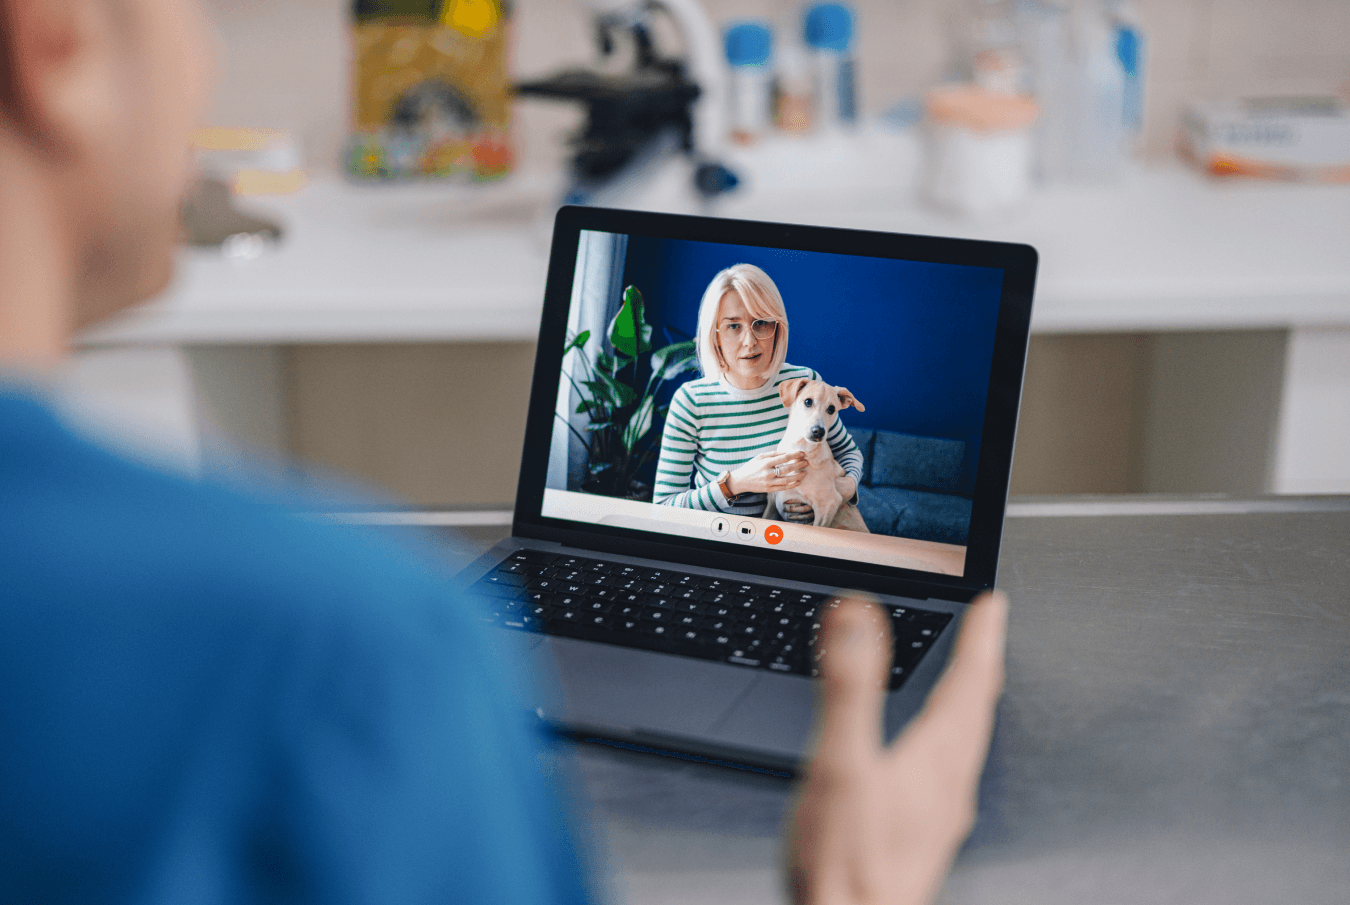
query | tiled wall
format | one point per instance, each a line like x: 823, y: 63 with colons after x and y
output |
x: 283, y: 62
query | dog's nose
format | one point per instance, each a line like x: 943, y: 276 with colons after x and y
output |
x: 817, y: 432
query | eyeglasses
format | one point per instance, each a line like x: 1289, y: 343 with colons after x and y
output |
x: 762, y: 329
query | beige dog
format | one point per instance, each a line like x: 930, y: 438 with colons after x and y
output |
x: 813, y: 407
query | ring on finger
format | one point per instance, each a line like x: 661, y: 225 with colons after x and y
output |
x: 778, y: 471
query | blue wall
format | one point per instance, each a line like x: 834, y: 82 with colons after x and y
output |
x: 913, y: 341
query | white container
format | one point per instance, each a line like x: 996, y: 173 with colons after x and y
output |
x: 980, y: 155
x: 828, y: 35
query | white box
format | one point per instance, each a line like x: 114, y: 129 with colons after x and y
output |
x: 1292, y: 138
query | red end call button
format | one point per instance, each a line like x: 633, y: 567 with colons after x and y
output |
x: 773, y: 534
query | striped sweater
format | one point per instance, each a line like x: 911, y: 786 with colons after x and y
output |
x: 713, y: 427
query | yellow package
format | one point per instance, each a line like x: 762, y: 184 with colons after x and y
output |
x: 430, y: 92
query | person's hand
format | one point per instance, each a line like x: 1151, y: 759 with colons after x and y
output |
x: 757, y: 475
x: 878, y: 825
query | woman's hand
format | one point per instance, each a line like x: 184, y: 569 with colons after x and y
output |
x: 879, y: 824
x: 758, y: 475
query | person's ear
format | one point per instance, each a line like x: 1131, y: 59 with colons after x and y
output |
x: 789, y: 390
x: 62, y: 72
x: 846, y: 399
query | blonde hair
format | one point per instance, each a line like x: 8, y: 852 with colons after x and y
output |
x: 760, y: 297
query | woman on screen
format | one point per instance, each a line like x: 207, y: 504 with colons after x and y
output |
x: 717, y: 452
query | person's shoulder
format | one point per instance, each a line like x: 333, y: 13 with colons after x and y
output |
x: 791, y: 372
x: 129, y: 532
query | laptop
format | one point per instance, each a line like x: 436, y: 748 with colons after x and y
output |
x: 661, y: 602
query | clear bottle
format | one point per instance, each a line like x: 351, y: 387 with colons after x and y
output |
x: 828, y: 35
x: 794, y: 105
x: 1079, y: 83
x: 983, y: 45
x: 1132, y: 50
x: 1101, y: 133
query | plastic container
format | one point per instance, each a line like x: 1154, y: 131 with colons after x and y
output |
x: 980, y: 149
x: 828, y: 35
x: 1080, y: 84
x: 749, y: 49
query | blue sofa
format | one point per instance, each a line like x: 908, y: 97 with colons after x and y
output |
x: 914, y: 486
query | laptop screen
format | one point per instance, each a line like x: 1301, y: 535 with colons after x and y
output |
x: 799, y: 402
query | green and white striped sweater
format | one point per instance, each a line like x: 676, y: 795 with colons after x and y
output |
x: 713, y: 427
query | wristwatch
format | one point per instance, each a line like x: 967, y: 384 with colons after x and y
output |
x: 724, y: 485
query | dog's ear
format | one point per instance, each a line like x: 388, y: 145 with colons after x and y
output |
x: 789, y: 390
x: 846, y: 399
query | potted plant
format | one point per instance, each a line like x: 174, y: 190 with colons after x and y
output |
x: 620, y: 440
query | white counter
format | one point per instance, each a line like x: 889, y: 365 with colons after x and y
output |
x: 1159, y: 250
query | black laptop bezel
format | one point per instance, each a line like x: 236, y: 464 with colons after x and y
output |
x: 1018, y: 263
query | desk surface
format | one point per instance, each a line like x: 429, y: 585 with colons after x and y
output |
x: 1159, y: 249
x: 1176, y: 726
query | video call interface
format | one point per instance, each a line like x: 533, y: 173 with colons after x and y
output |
x: 839, y: 398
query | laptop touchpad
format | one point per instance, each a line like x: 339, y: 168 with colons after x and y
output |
x: 775, y: 716
x: 604, y: 685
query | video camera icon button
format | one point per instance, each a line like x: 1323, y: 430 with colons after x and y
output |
x: 746, y: 530
x: 720, y: 526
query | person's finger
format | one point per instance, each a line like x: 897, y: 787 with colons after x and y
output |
x: 961, y: 706
x: 854, y: 656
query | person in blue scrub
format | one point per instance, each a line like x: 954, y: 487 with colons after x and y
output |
x: 204, y: 698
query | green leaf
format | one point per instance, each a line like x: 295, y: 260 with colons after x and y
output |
x: 612, y: 363
x: 674, y: 359
x: 629, y: 332
x: 610, y: 391
x: 639, y: 424
x: 577, y: 341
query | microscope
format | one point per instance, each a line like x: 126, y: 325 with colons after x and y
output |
x: 654, y: 121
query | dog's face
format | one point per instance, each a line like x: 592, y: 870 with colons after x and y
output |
x: 814, y: 405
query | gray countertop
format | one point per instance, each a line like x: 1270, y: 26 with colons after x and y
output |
x: 1176, y: 724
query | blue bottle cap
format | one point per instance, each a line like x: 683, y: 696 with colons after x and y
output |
x: 749, y: 43
x: 829, y: 26
x: 1127, y: 49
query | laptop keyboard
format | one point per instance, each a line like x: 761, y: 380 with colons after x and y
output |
x: 756, y: 626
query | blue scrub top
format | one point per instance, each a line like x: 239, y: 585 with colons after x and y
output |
x: 205, y: 699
